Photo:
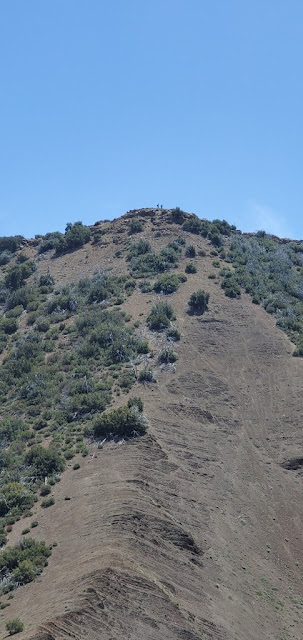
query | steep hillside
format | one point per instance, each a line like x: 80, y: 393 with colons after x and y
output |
x: 192, y: 530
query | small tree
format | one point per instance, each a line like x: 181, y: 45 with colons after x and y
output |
x: 198, y: 302
x: 14, y: 626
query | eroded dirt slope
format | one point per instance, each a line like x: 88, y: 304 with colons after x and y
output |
x: 195, y: 530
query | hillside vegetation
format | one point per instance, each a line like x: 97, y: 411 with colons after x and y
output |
x: 139, y: 375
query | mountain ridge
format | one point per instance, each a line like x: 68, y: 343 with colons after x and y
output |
x: 187, y: 532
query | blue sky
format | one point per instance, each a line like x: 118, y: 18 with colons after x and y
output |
x: 109, y: 106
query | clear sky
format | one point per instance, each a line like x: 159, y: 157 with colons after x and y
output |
x: 119, y: 104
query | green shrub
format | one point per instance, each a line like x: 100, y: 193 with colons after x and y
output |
x: 10, y: 243
x: 15, y: 496
x: 139, y: 249
x: 76, y: 466
x: 20, y: 564
x: 146, y: 286
x: 98, y: 235
x: 69, y: 454
x: 180, y: 240
x: 43, y: 461
x: 215, y: 238
x: 172, y: 252
x: 48, y: 502
x: 21, y: 257
x: 190, y: 268
x: 177, y: 215
x: 28, y: 513
x: 25, y: 572
x: 298, y: 352
x: 45, y: 490
x: 223, y: 227
x: 198, y: 302
x: 42, y: 324
x: 16, y: 274
x: 167, y: 355
x: 146, y: 375
x: 76, y: 235
x: 182, y: 277
x: 5, y: 257
x: 25, y: 296
x: 193, y: 225
x: 126, y: 380
x: 173, y: 334
x: 205, y: 228
x: 160, y: 316
x: 15, y: 312
x: 102, y: 288
x: 46, y: 280
x: 124, y: 422
x: 50, y: 241
x: 167, y: 283
x: 39, y: 424
x: 8, y: 325
x: 14, y: 626
x: 230, y: 286
x: 190, y: 251
x: 150, y: 263
x: 135, y: 402
x: 135, y: 226
x: 130, y: 286
x: 62, y: 304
